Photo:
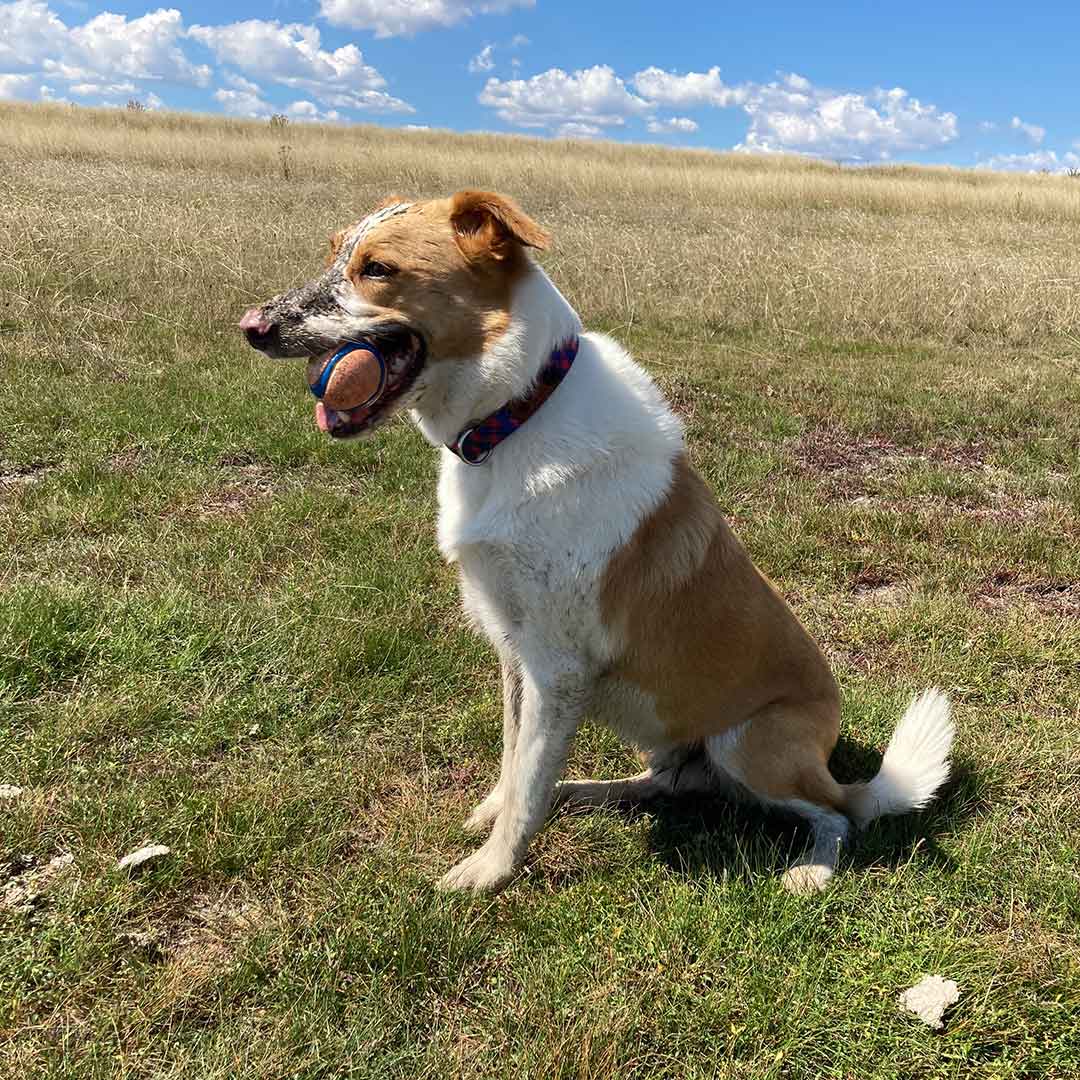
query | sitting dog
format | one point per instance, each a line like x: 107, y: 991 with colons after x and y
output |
x: 590, y: 552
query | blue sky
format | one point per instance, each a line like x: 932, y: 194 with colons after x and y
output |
x: 954, y: 83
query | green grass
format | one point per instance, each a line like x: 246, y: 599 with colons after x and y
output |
x: 220, y: 632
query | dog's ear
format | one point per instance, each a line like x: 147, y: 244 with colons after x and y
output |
x: 487, y: 224
x: 335, y: 245
x: 390, y: 200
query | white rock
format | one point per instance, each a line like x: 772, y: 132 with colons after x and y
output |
x: 144, y: 854
x: 929, y: 998
x: 10, y: 791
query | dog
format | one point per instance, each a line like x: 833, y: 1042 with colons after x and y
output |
x: 590, y: 553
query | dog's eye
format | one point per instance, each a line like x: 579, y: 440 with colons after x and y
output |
x: 377, y: 270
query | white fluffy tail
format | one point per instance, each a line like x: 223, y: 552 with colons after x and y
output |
x: 915, y: 765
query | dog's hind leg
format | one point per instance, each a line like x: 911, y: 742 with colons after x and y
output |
x: 780, y: 756
x: 679, y: 771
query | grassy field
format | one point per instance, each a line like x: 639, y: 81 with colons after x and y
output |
x: 223, y: 633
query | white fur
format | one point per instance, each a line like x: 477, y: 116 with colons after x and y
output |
x: 915, y: 765
x: 532, y: 530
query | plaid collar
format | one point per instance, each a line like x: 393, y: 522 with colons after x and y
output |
x: 475, y: 443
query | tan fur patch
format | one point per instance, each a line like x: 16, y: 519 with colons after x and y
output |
x: 455, y: 264
x: 702, y: 631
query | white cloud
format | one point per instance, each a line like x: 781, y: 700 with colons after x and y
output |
x: 1032, y: 132
x: 789, y: 114
x: 289, y: 54
x: 595, y: 97
x: 390, y: 18
x: 105, y: 48
x: 483, y: 60
x: 576, y: 130
x: 292, y: 56
x: 245, y: 99
x: 660, y: 126
x: 243, y: 103
x: 308, y: 111
x: 685, y: 91
x: 110, y: 56
x: 1076, y: 144
x: 92, y: 89
x: 987, y: 125
x: 794, y: 115
x: 1035, y: 161
x: 20, y: 87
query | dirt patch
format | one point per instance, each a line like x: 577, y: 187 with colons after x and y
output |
x: 16, y: 478
x: 29, y: 881
x: 196, y: 943
x: 1051, y: 596
x: 875, y: 587
x: 831, y: 450
x: 128, y: 461
x: 249, y: 485
x: 847, y: 461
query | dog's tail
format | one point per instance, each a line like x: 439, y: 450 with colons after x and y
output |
x: 915, y: 765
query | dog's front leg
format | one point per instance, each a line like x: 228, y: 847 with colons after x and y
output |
x: 490, y: 808
x: 553, y: 699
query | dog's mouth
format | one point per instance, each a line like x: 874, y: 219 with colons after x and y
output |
x: 404, y: 354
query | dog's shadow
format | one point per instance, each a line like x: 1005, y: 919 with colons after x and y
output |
x: 714, y: 835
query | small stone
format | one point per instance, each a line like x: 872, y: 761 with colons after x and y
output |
x: 143, y: 855
x: 929, y: 998
x: 10, y: 791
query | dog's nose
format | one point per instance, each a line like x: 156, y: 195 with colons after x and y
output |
x: 256, y: 326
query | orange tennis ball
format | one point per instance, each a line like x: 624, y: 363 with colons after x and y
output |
x: 353, y: 376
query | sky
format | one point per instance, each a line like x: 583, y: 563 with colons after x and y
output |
x: 988, y: 84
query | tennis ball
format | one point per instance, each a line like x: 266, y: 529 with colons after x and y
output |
x: 353, y: 376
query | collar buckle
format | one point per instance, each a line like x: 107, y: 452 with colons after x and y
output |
x: 459, y: 449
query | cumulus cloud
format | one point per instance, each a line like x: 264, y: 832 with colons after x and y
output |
x: 308, y: 111
x: 576, y: 130
x: 1032, y: 132
x: 392, y: 18
x: 106, y: 49
x: 1035, y: 161
x: 484, y: 60
x: 660, y: 126
x: 789, y: 114
x: 20, y: 87
x: 98, y: 89
x: 292, y: 56
x: 685, y: 91
x: 111, y: 56
x: 793, y: 115
x: 245, y: 98
x: 243, y: 103
x: 595, y: 97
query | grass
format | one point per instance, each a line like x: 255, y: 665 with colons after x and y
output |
x: 220, y: 632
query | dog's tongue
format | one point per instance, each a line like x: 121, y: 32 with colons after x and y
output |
x: 325, y: 418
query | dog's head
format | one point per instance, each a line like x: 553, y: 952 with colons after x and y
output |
x: 429, y: 282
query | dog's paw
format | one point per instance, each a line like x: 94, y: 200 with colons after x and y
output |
x: 485, y: 813
x: 806, y: 879
x: 486, y: 870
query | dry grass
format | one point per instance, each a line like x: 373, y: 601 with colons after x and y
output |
x: 730, y: 242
